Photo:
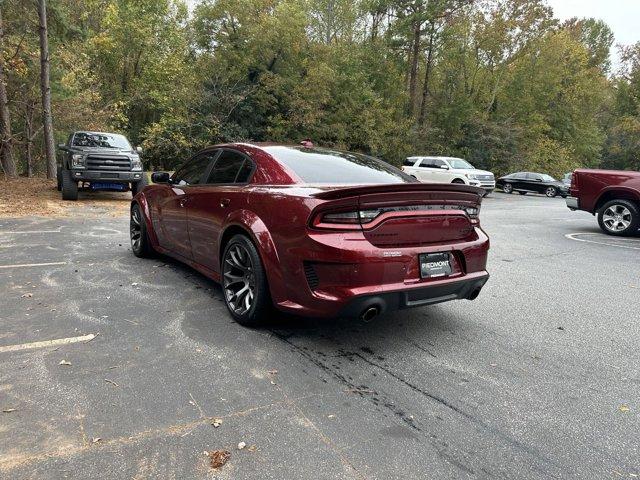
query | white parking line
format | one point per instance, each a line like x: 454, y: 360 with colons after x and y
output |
x: 572, y: 236
x: 46, y: 343
x: 28, y: 265
x: 30, y: 231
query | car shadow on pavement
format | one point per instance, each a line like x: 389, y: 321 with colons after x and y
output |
x: 421, y: 324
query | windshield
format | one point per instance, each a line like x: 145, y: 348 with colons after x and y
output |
x: 458, y: 163
x: 100, y: 140
x: 319, y: 165
x: 548, y: 178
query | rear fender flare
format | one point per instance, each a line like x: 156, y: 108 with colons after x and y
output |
x: 141, y: 200
x: 261, y: 237
x: 624, y: 192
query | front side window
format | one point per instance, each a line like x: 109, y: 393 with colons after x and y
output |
x: 191, y: 173
x: 409, y: 162
x: 230, y: 167
x: 460, y: 164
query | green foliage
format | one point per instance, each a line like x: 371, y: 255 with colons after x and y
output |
x: 499, y: 82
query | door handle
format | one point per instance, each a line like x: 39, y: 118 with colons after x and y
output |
x: 224, y: 202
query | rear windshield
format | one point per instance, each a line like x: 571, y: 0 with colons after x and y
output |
x: 319, y: 165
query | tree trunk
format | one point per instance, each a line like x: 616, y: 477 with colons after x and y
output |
x: 427, y: 76
x: 413, y: 71
x: 28, y: 135
x: 6, y: 141
x: 45, y: 87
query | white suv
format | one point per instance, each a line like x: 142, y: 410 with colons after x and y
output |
x: 448, y: 170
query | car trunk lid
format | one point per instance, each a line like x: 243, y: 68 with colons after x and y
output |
x: 405, y: 215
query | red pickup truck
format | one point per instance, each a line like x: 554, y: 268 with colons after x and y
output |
x: 612, y: 195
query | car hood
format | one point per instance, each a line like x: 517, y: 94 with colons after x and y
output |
x: 475, y: 171
x: 102, y: 151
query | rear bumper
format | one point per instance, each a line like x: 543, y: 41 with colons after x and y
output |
x: 469, y: 288
x: 106, y: 176
x: 342, y: 274
x: 572, y: 203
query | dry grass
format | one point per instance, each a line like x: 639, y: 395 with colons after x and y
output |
x: 24, y: 197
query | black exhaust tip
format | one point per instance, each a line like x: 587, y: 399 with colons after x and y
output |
x: 369, y: 313
x: 473, y: 295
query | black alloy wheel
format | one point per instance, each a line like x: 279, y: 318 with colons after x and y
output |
x: 244, y: 283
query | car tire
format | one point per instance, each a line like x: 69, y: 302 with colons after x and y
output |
x: 507, y: 188
x: 244, y: 283
x: 59, y: 178
x: 69, y: 186
x: 522, y: 192
x: 551, y: 192
x: 140, y: 243
x: 619, y: 217
x: 139, y: 185
x: 458, y: 181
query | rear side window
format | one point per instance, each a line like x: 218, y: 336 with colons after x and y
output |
x: 431, y: 163
x: 230, y: 167
x: 409, y: 162
x: 319, y: 165
x: 191, y: 173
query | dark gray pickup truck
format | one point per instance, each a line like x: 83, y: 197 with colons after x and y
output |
x: 99, y: 161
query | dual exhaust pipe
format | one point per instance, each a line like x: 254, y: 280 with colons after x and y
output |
x: 373, y: 311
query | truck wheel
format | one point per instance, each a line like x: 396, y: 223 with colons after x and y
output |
x: 59, y: 178
x: 244, y: 283
x: 69, y: 186
x: 507, y: 188
x: 140, y: 243
x: 619, y: 217
x: 139, y: 185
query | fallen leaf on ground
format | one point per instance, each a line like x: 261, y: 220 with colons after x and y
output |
x: 111, y: 382
x: 241, y: 445
x: 64, y: 362
x: 134, y: 284
x: 8, y: 410
x: 272, y: 372
x: 218, y: 457
x: 624, y: 408
x: 216, y: 422
x: 27, y: 295
x: 95, y: 440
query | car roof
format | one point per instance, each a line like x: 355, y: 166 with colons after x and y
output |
x: 433, y: 157
x: 91, y: 132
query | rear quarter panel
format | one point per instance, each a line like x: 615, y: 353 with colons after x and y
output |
x: 593, y: 185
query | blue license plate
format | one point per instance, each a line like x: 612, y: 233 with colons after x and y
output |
x: 108, y: 186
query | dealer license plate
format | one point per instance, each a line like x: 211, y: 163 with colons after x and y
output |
x: 435, y: 265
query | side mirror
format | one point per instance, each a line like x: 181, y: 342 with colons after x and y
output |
x: 160, y: 177
x: 139, y: 149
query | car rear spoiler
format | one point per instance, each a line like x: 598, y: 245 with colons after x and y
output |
x: 352, y: 191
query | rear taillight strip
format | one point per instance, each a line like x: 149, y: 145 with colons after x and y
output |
x: 345, y: 219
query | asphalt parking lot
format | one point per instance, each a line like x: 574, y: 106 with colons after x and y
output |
x: 537, y: 378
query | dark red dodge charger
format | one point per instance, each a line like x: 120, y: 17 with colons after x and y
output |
x: 313, y: 231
